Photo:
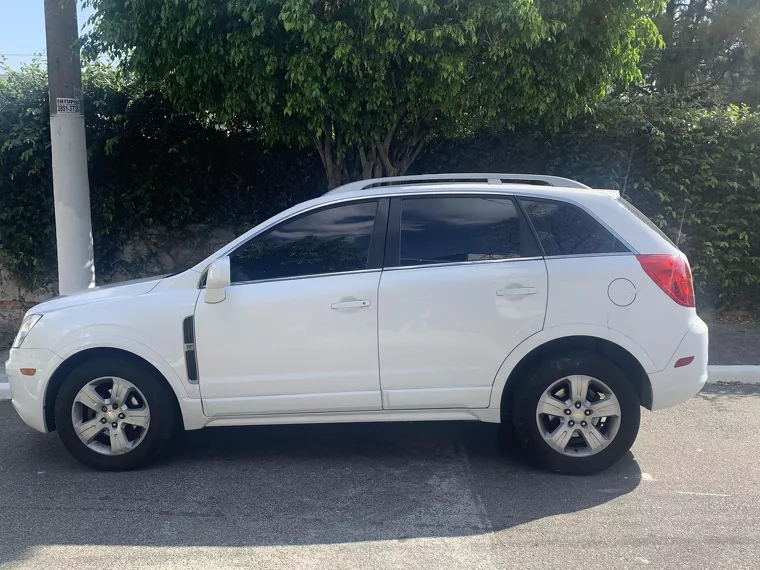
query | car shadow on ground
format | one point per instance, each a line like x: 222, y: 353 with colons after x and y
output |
x: 287, y: 485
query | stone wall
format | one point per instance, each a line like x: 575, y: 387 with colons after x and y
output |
x: 155, y: 252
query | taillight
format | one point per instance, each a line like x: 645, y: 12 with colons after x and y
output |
x: 672, y: 275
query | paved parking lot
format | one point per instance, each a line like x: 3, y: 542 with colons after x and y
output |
x: 438, y: 495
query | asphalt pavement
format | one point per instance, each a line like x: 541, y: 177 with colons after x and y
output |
x: 433, y: 495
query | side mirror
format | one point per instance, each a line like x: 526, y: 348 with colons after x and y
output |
x: 217, y: 280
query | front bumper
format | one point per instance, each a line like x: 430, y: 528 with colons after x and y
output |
x: 28, y: 392
x: 672, y: 386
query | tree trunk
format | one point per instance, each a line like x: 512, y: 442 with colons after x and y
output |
x: 368, y: 161
x: 686, y: 57
x: 386, y: 156
x: 330, y: 158
x: 667, y: 63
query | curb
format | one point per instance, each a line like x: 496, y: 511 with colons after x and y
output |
x: 734, y: 374
x: 715, y: 374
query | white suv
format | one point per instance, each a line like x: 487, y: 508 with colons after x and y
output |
x: 533, y: 301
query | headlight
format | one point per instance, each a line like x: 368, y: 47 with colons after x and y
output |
x: 26, y: 326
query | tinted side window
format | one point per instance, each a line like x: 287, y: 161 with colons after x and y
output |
x: 636, y: 212
x: 564, y: 229
x: 328, y: 241
x: 450, y: 229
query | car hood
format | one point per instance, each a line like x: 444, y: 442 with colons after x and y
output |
x: 97, y: 294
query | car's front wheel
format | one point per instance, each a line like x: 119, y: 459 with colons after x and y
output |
x: 115, y: 414
x: 577, y: 413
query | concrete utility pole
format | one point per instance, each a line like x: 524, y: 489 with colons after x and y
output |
x: 71, y: 186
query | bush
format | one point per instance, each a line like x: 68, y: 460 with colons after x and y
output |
x: 27, y: 229
x: 695, y: 171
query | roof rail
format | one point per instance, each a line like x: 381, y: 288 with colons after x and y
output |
x: 466, y: 177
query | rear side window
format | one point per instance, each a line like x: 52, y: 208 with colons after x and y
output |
x: 635, y: 211
x: 564, y: 229
x: 454, y: 229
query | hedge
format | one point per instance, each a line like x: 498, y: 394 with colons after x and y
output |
x: 149, y: 167
x: 694, y: 170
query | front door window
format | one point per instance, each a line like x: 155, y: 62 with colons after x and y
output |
x: 332, y: 240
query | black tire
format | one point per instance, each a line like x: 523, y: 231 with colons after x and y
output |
x: 164, y: 419
x: 532, y: 388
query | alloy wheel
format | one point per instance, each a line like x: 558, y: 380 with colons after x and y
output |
x: 578, y: 416
x: 110, y: 416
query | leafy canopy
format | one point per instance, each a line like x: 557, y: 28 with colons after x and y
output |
x: 367, y: 81
x: 710, y: 46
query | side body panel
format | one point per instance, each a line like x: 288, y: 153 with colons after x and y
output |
x: 580, y: 290
x: 444, y: 330
x: 280, y: 346
x: 148, y: 325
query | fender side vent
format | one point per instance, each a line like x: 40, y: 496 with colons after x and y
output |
x: 188, y: 330
x: 188, y: 335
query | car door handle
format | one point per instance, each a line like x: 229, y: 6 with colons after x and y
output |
x: 358, y: 304
x: 516, y: 291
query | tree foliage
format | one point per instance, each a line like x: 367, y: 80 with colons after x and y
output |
x: 366, y: 82
x: 26, y: 198
x: 709, y: 45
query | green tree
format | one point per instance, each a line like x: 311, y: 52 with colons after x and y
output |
x: 366, y: 82
x: 710, y: 44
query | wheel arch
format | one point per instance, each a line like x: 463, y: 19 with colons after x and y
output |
x: 613, y: 351
x: 67, y: 366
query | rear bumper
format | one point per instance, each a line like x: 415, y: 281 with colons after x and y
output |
x: 672, y: 386
x: 28, y: 392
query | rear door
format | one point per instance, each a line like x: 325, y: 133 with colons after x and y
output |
x: 464, y: 283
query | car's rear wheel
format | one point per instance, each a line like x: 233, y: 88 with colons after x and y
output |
x: 115, y: 414
x: 577, y: 413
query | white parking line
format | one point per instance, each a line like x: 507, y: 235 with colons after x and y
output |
x: 702, y: 494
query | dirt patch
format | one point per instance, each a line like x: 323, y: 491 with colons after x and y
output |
x: 736, y: 319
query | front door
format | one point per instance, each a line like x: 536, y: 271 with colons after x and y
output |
x: 297, y: 331
x: 464, y: 284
